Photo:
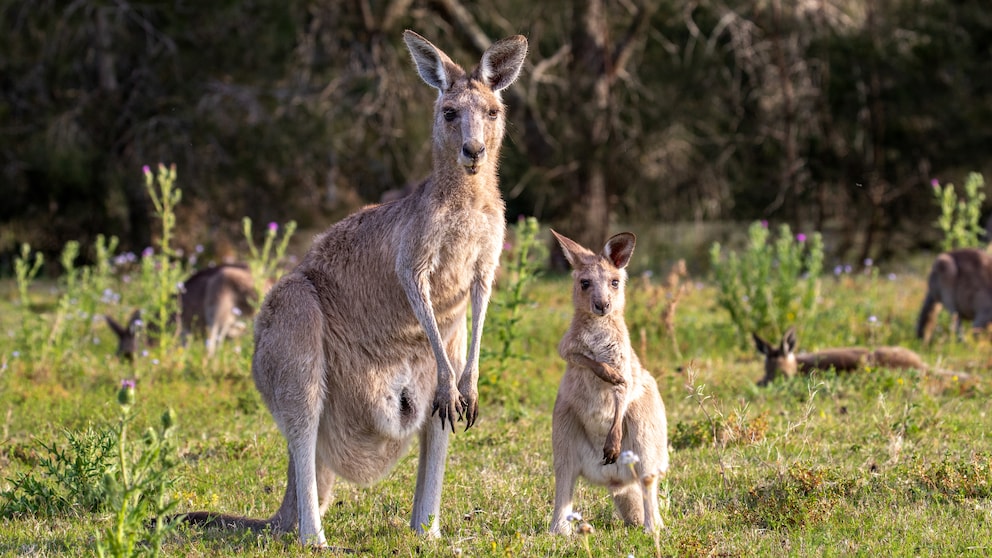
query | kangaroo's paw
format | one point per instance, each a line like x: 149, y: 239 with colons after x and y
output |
x: 470, y: 408
x: 446, y: 406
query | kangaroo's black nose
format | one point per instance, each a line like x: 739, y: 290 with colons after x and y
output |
x: 473, y: 149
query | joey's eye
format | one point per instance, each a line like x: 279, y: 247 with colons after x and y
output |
x: 493, y: 114
x: 584, y: 284
x: 615, y: 283
x: 450, y: 114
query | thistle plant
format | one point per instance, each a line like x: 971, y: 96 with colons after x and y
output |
x: 26, y: 271
x: 772, y: 284
x: 137, y: 489
x: 160, y: 277
x: 522, y: 264
x: 264, y: 263
x: 959, y: 219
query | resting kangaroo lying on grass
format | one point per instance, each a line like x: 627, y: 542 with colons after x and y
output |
x: 358, y: 346
x: 782, y: 360
x: 211, y: 303
x: 961, y: 282
x: 606, y: 401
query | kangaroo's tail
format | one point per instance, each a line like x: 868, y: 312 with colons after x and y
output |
x: 227, y: 521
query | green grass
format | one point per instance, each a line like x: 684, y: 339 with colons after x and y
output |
x: 877, y: 463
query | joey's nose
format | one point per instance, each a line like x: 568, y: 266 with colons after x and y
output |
x: 473, y: 149
x: 601, y: 308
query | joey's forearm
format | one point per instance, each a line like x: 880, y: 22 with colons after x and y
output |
x: 604, y: 371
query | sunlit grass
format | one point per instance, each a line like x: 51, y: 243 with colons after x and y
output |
x: 876, y: 463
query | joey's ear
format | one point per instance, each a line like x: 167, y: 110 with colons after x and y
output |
x: 762, y: 345
x: 619, y: 248
x: 572, y: 249
x: 433, y: 65
x: 502, y: 61
x: 117, y: 328
x: 789, y: 341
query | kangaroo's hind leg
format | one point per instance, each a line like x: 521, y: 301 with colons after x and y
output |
x: 289, y: 367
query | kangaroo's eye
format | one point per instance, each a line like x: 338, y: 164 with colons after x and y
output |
x: 493, y: 114
x: 450, y: 114
x: 615, y: 283
x: 584, y: 284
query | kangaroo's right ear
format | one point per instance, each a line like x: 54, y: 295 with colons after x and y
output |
x: 572, y: 249
x: 762, y: 345
x: 433, y: 65
x: 118, y: 330
x: 789, y: 341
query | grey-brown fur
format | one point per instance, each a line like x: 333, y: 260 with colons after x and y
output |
x: 213, y: 303
x: 607, y: 402
x: 781, y: 359
x: 366, y: 339
x: 961, y: 282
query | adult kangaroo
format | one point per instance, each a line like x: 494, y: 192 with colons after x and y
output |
x: 781, y: 360
x: 366, y: 339
x: 961, y: 282
x: 607, y: 401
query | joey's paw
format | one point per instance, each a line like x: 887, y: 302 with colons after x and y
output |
x: 611, y: 449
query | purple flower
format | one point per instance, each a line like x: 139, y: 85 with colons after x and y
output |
x: 764, y: 223
x: 146, y: 169
x: 273, y: 227
x: 801, y: 237
x: 868, y: 262
x: 148, y: 252
x: 125, y: 396
x: 935, y: 183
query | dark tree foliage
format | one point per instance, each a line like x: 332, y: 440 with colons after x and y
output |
x: 831, y: 115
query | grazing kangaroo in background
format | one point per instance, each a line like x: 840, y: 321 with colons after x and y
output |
x: 366, y: 339
x: 961, y: 282
x: 782, y: 360
x: 211, y: 301
x: 606, y: 401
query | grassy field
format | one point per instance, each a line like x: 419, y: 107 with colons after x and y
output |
x: 876, y: 463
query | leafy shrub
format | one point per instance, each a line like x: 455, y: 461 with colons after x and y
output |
x: 959, y: 218
x: 772, y: 284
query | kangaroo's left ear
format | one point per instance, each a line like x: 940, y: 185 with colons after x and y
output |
x: 619, y: 248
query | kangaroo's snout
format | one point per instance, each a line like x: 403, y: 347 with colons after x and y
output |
x: 472, y: 155
x: 601, y: 307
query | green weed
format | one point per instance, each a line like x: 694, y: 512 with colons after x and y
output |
x: 772, y: 284
x: 959, y: 218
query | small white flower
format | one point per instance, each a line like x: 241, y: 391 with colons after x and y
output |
x: 236, y: 311
x: 573, y: 517
x: 629, y: 458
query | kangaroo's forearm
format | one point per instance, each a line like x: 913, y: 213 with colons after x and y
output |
x: 604, y: 371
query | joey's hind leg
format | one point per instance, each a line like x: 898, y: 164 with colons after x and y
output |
x: 629, y: 503
x: 569, y: 445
